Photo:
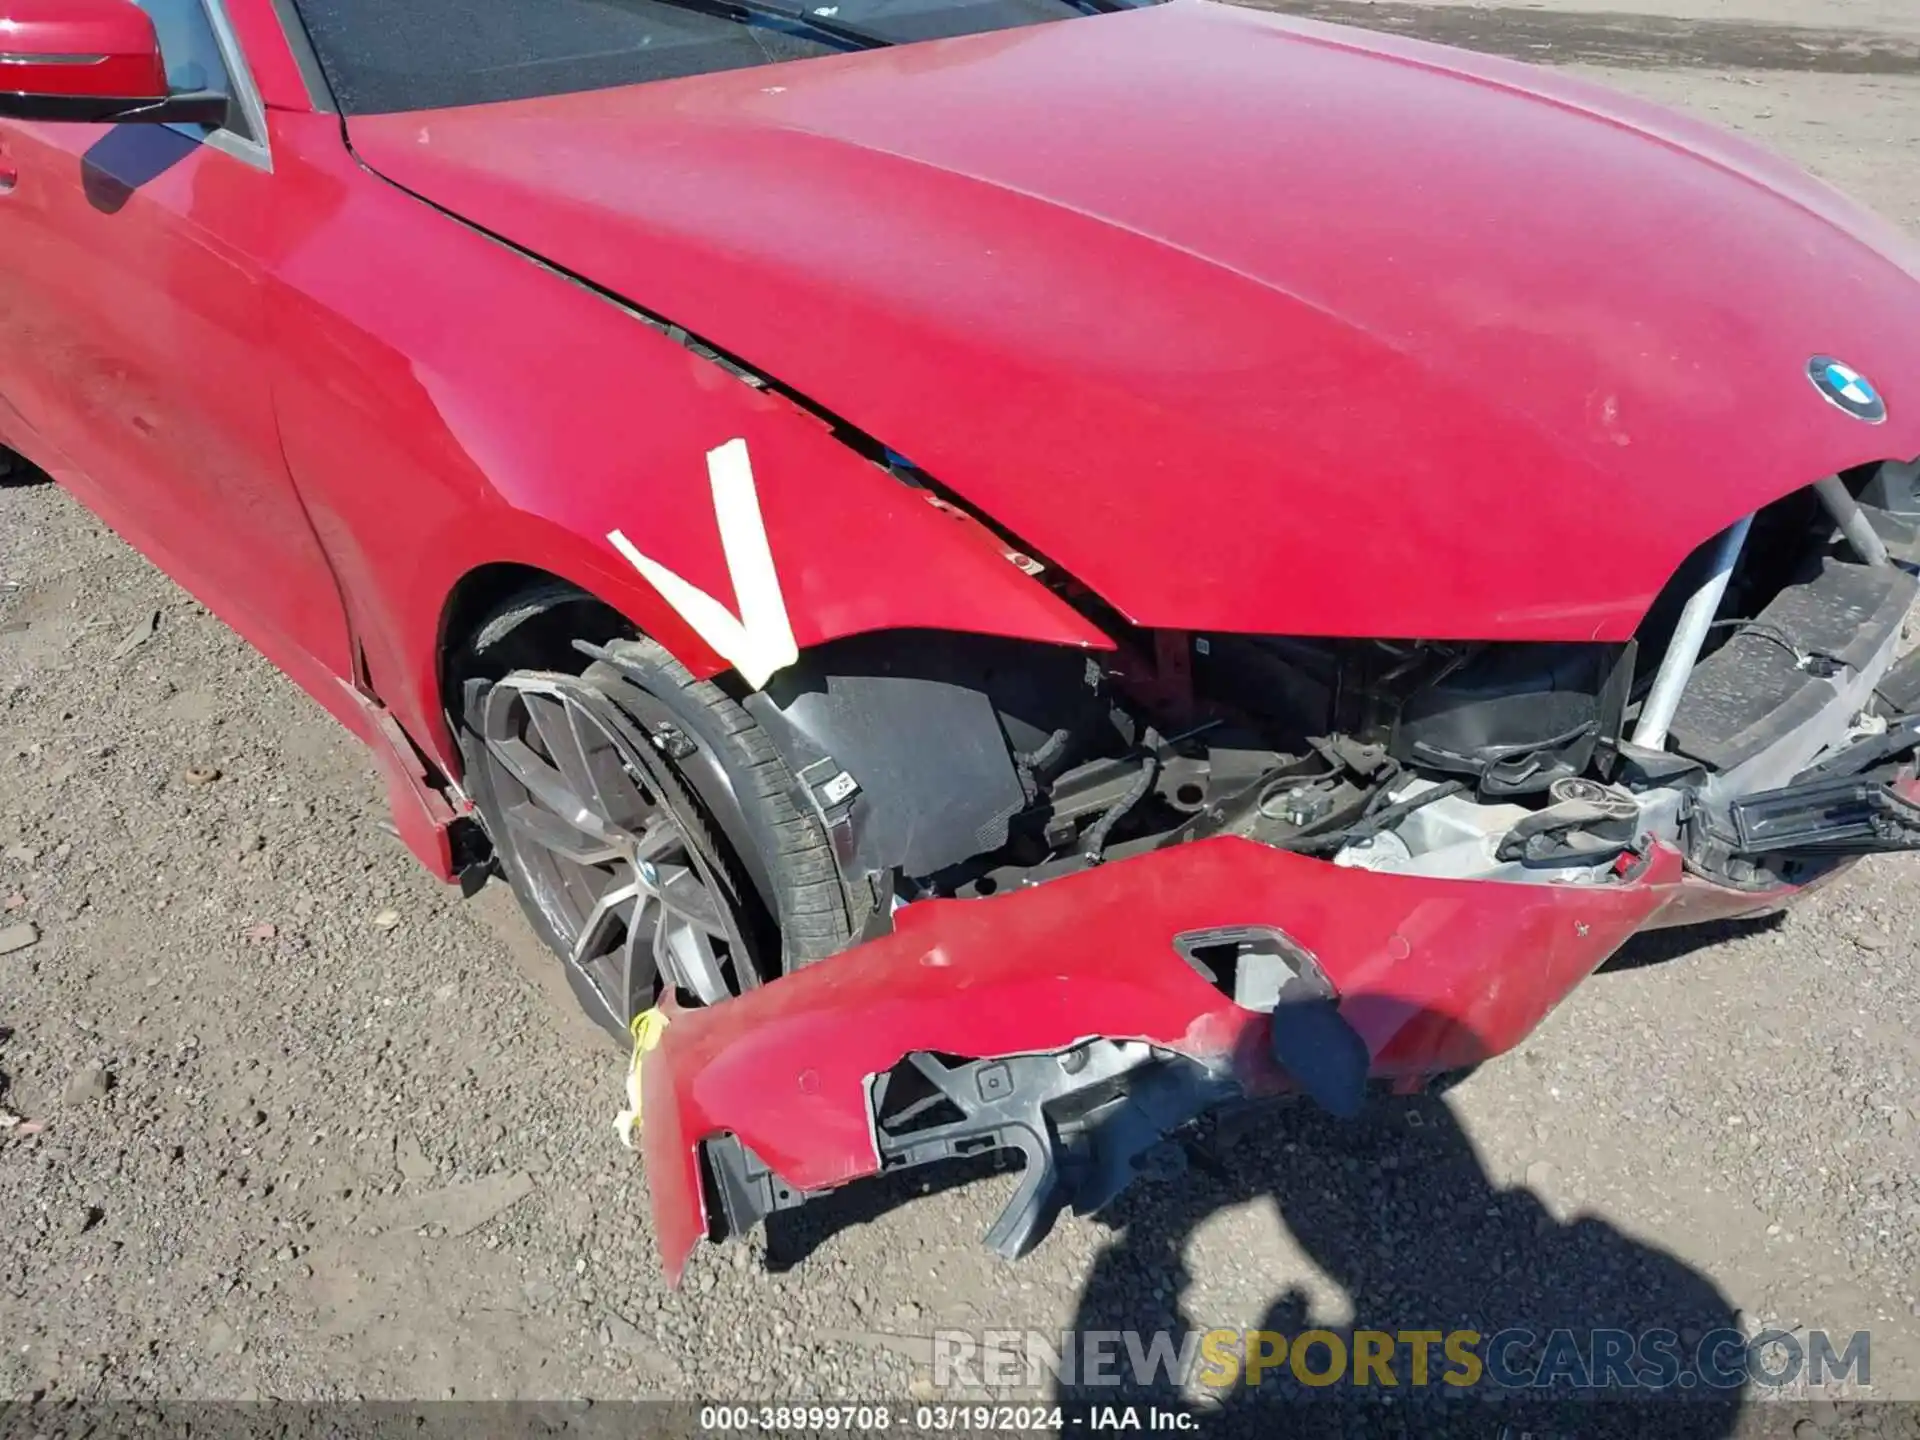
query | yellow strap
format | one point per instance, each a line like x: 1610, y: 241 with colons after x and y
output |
x: 648, y: 1026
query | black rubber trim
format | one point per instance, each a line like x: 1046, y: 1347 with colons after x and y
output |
x: 300, y: 42
x: 202, y: 108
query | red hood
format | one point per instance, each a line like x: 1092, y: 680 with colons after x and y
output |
x: 1250, y: 323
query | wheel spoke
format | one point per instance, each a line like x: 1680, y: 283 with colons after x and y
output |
x: 638, y: 968
x: 553, y: 722
x: 607, y: 909
x: 660, y: 839
x: 688, y: 900
x: 693, y: 958
x: 651, y: 914
x: 591, y: 761
x: 555, y: 836
x: 545, y: 784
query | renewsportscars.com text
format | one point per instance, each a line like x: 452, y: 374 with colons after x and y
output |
x: 1607, y: 1360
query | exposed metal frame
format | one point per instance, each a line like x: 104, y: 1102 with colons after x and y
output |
x: 1676, y: 668
x: 1853, y: 523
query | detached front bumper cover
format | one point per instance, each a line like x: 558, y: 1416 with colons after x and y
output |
x: 791, y: 1080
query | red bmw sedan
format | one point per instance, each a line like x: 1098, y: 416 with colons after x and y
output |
x: 995, y: 574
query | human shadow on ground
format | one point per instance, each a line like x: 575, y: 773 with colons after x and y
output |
x: 1396, y: 1210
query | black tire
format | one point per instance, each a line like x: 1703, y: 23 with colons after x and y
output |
x: 800, y: 873
x: 729, y: 789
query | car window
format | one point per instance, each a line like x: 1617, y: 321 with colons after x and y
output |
x: 192, y: 53
x: 386, y: 55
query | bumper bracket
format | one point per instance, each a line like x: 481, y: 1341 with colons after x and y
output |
x: 1086, y: 1121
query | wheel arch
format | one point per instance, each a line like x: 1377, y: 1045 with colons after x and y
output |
x: 483, y: 593
x: 413, y: 658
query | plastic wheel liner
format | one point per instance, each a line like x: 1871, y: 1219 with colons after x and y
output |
x: 1081, y: 1020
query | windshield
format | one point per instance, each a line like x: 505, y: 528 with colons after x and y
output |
x: 386, y: 55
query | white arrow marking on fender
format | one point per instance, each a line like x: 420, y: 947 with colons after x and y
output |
x: 760, y: 641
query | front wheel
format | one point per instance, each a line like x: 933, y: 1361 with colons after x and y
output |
x: 648, y: 828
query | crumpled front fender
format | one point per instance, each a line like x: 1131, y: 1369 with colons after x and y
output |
x: 427, y: 452
x: 1432, y: 974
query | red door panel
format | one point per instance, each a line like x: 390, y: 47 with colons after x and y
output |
x: 132, y: 340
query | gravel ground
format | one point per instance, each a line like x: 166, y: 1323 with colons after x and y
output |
x: 306, y: 1125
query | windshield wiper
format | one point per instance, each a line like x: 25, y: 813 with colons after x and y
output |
x: 791, y: 22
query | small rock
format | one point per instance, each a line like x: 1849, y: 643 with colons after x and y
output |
x: 386, y: 920
x: 1540, y: 1175
x: 15, y: 938
x: 265, y: 930
x: 89, y: 1083
x: 411, y: 1161
x: 15, y: 901
x: 142, y: 631
x: 201, y: 774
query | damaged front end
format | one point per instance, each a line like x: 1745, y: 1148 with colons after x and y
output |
x: 1099, y: 897
x: 1082, y: 1020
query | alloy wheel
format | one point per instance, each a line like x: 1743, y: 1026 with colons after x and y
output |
x: 610, y: 849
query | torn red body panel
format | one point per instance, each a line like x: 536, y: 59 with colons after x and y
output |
x: 1433, y: 974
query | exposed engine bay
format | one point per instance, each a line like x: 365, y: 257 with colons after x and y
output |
x: 1752, y: 721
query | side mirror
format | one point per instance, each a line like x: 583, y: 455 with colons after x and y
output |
x: 94, y: 61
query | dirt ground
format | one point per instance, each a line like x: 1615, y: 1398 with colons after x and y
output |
x: 313, y: 1127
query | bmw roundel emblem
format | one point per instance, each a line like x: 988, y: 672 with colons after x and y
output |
x: 1847, y: 388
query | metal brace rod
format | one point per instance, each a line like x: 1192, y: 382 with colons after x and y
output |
x: 1650, y: 731
x: 1852, y: 521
